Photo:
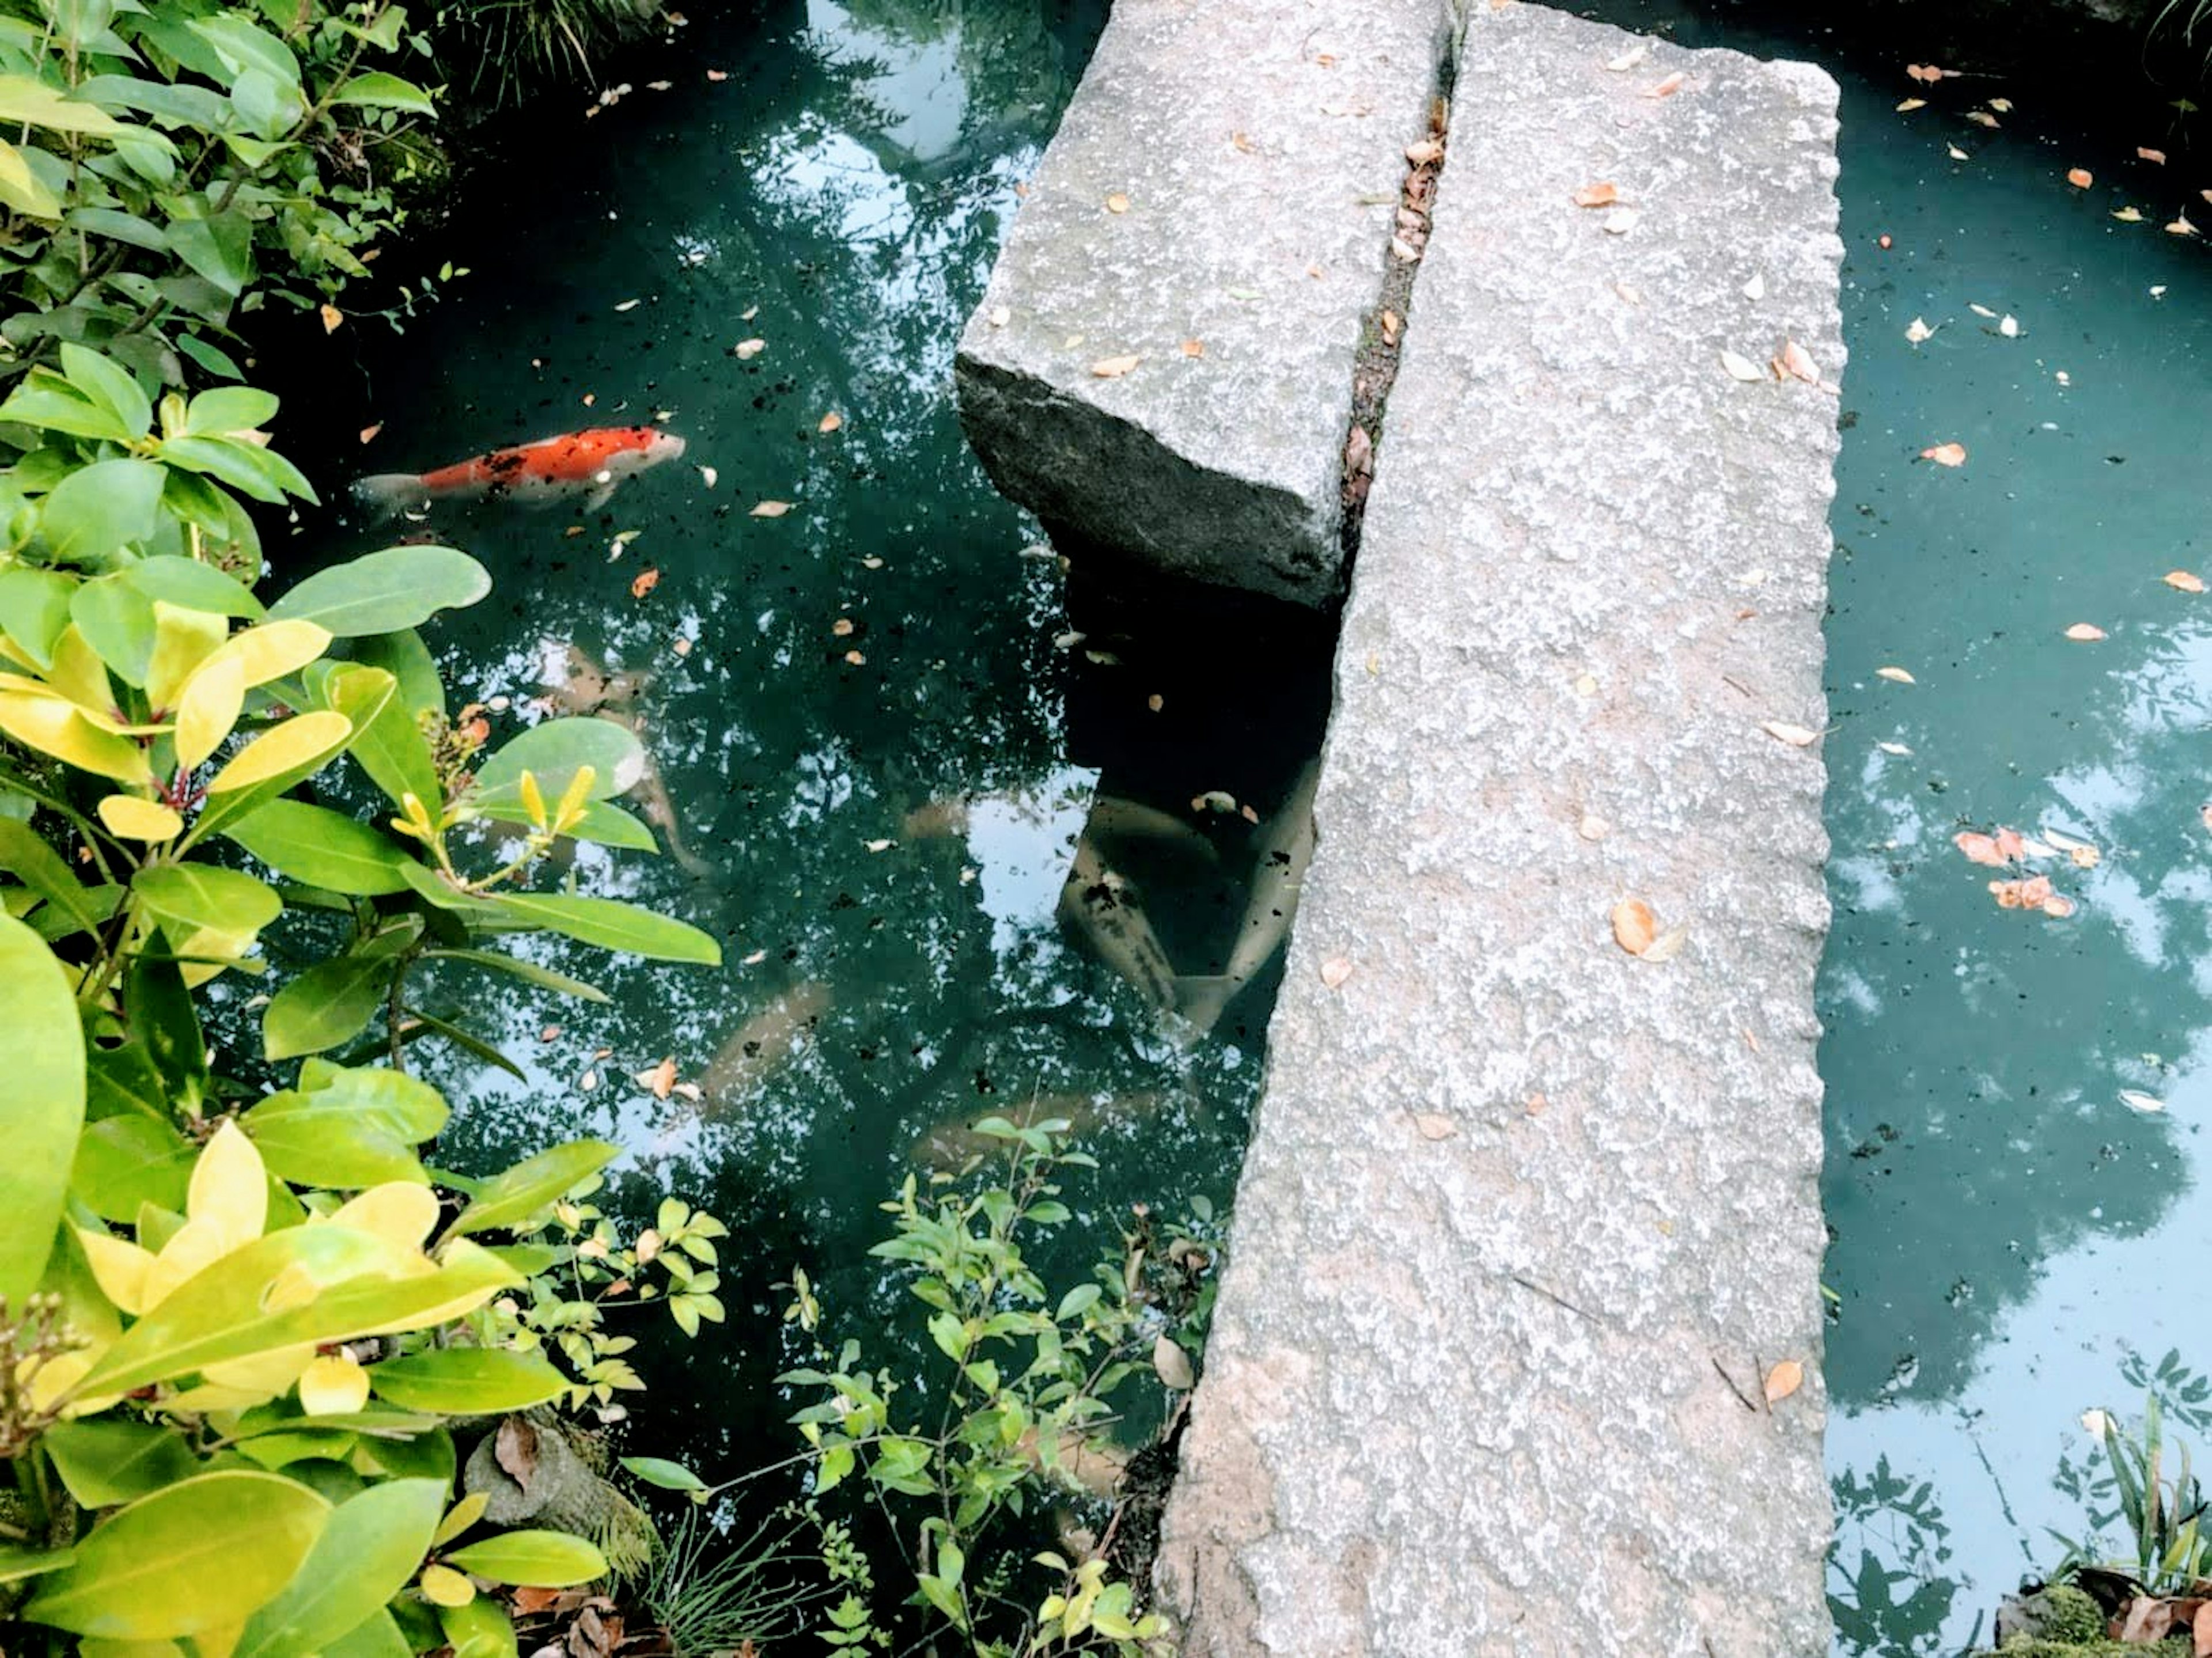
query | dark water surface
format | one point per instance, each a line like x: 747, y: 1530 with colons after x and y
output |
x: 817, y: 684
x: 2013, y: 1242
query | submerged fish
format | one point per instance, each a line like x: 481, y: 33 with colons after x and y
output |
x: 1112, y: 818
x: 1103, y: 909
x: 576, y: 684
x: 750, y: 1055
x: 589, y: 462
x: 1287, y: 847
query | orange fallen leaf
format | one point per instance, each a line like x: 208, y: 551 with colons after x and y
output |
x: 660, y: 1080
x: 1117, y: 203
x: 855, y: 658
x: 1597, y: 195
x: 2184, y: 580
x: 2080, y: 178
x: 1111, y: 369
x: 644, y: 582
x: 2181, y: 226
x: 1634, y: 926
x: 2002, y: 105
x: 771, y: 509
x: 1980, y: 848
x: 1946, y: 454
x: 1668, y: 87
x: 2058, y: 907
x: 1912, y: 104
x: 2085, y: 633
x: 718, y: 75
x: 1926, y: 73
x: 2144, y: 153
x: 842, y: 626
x: 332, y: 317
x: 368, y: 433
x: 1784, y: 1380
x: 1426, y: 153
x: 1194, y: 348
x: 1335, y: 971
x: 830, y: 422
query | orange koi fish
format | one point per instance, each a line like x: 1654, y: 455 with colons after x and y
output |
x: 591, y: 463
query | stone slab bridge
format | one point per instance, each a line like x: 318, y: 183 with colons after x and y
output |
x: 1518, y: 1350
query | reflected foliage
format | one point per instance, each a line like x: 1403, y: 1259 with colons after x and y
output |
x: 1891, y: 1587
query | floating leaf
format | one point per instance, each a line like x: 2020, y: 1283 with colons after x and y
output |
x: 1634, y: 926
x: 2129, y: 215
x: 1912, y: 104
x: 1917, y: 331
x: 1898, y: 674
x: 644, y: 582
x: 2147, y: 1104
x: 2080, y: 178
x: 1784, y: 1380
x: 2085, y: 633
x: 1926, y: 73
x: 2184, y: 580
x: 1946, y: 454
x: 771, y: 509
x: 746, y: 350
x: 830, y: 422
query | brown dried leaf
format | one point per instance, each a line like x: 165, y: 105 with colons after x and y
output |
x: 1980, y: 848
x: 332, y: 317
x: 856, y: 659
x: 2002, y: 105
x: 1634, y: 926
x: 1335, y: 971
x: 516, y: 1449
x: 1946, y: 454
x: 1603, y: 194
x: 1172, y: 1365
x: 2080, y: 177
x: 1112, y: 368
x: 2181, y: 226
x: 368, y: 433
x: 1668, y: 944
x: 746, y: 350
x: 1668, y: 87
x: 1426, y: 153
x: 1359, y: 452
x: 842, y: 626
x: 1926, y: 73
x: 830, y: 422
x: 2200, y: 1626
x: 2143, y: 153
x: 2129, y: 215
x: 1784, y: 1380
x: 2183, y: 580
x: 2085, y: 633
x: 1797, y: 736
x: 1912, y: 104
x: 1117, y: 203
x: 771, y: 509
x: 658, y: 1080
x: 644, y: 582
x: 1194, y: 348
x: 1432, y: 1126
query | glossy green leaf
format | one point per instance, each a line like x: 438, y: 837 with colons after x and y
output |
x: 407, y: 660
x: 107, y: 383
x: 379, y: 1637
x: 478, y: 1630
x: 124, y: 1163
x: 532, y: 1559
x: 229, y: 409
x: 379, y: 91
x: 367, y: 1553
x: 25, y: 854
x: 22, y: 188
x: 613, y: 925
x: 467, y: 1380
x: 220, y: 249
x: 34, y: 608
x: 554, y: 752
x: 196, y: 895
x: 190, y: 585
x: 515, y: 1195
x: 332, y: 1001
x: 120, y: 623
x: 42, y: 1109
x: 45, y: 399
x: 322, y: 848
x: 197, y: 1555
x: 102, y: 508
x: 659, y: 1470
x: 107, y: 1460
x: 383, y: 592
x: 16, y: 1564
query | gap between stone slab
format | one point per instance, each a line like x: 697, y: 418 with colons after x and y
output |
x: 1383, y: 331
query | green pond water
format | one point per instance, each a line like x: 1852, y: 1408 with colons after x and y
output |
x: 2014, y: 1242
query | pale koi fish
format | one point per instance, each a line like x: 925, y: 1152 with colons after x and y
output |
x: 591, y: 463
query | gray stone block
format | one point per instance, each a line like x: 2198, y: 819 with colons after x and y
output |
x: 1525, y: 1219
x: 1259, y: 147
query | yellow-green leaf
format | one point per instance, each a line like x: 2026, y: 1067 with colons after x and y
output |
x: 462, y: 1516
x: 276, y: 648
x: 22, y: 188
x: 366, y: 1555
x: 299, y: 741
x: 197, y: 1555
x: 532, y: 1559
x: 56, y: 727
x: 25, y: 99
x: 43, y: 1107
x: 183, y: 639
x: 209, y: 707
x: 132, y: 818
x: 229, y: 1187
x: 334, y: 1385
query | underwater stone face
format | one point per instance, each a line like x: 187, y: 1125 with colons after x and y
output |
x: 1161, y: 367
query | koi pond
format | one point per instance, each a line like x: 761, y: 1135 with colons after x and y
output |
x: 880, y: 748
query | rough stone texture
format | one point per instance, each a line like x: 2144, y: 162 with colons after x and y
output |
x: 1259, y: 144
x: 1515, y: 1200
